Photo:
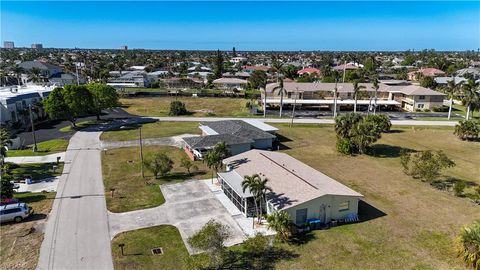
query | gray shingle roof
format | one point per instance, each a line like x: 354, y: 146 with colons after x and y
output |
x: 206, y: 142
x: 238, y: 128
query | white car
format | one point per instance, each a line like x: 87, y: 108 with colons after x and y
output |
x: 15, y: 212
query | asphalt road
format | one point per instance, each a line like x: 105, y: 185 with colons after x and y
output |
x: 77, y: 231
x: 51, y: 130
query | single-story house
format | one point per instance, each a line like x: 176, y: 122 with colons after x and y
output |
x: 230, y: 83
x: 238, y: 135
x: 303, y: 192
x: 309, y: 70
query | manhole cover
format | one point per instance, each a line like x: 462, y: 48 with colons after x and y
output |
x: 157, y: 251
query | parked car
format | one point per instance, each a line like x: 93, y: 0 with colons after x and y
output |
x: 15, y: 212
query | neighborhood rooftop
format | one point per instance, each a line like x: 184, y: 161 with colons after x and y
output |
x: 292, y: 181
x: 238, y: 128
x: 211, y: 140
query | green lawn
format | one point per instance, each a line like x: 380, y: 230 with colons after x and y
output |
x: 151, y: 130
x: 121, y: 170
x: 20, y: 239
x: 201, y: 106
x: 44, y: 148
x: 36, y: 171
x: 408, y: 225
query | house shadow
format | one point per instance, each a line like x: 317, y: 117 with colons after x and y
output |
x: 242, y: 259
x: 387, y: 151
x: 367, y: 212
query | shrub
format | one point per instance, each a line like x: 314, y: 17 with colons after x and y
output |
x: 344, y: 146
x: 468, y: 245
x: 458, y: 188
x: 159, y: 165
x: 440, y: 108
x: 211, y: 239
x: 177, y: 108
x: 467, y: 130
x: 425, y: 165
x: 382, y: 121
x: 257, y: 245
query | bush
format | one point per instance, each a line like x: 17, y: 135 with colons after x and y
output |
x: 425, y: 165
x: 344, y: 146
x: 160, y: 165
x: 382, y: 121
x: 467, y: 130
x: 458, y: 188
x: 440, y: 108
x: 468, y: 245
x: 177, y: 108
x: 257, y: 245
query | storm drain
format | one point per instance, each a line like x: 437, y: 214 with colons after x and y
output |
x: 157, y: 251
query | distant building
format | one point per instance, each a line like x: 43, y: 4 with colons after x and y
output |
x: 8, y: 45
x: 37, y: 46
x: 348, y: 66
x: 46, y: 70
x: 136, y: 78
x: 232, y: 84
x: 426, y: 72
x: 251, y: 69
x: 239, y: 59
x: 308, y: 71
x: 124, y: 47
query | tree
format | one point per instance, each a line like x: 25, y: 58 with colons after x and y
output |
x: 281, y: 91
x: 256, y: 245
x: 250, y: 182
x: 34, y: 75
x: 103, y: 97
x: 69, y: 102
x: 211, y: 239
x: 381, y: 121
x: 281, y: 222
x: 356, y: 89
x: 451, y: 90
x: 218, y: 71
x: 159, y: 165
x: 258, y: 79
x: 177, y: 108
x: 222, y: 149
x: 6, y: 187
x: 425, y: 165
x: 213, y: 160
x: 471, y: 97
x: 17, y: 70
x: 375, y: 87
x: 428, y: 82
x: 187, y: 164
x: 5, y: 141
x: 467, y: 130
x: 468, y: 245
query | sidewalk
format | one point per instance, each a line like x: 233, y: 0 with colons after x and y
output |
x: 37, y: 159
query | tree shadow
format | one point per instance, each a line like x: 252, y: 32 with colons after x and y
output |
x: 395, y: 131
x: 33, y: 198
x: 176, y: 176
x: 242, y: 259
x: 302, y: 238
x: 447, y: 183
x: 367, y: 212
x: 386, y: 151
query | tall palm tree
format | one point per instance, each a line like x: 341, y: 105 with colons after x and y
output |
x: 451, y: 90
x: 375, y: 86
x: 222, y: 150
x: 213, y: 160
x: 281, y: 91
x: 250, y: 182
x: 471, y: 97
x: 262, y: 189
x: 17, y: 70
x: 336, y: 75
x: 278, y: 68
x: 468, y: 245
x: 34, y: 75
x: 356, y: 89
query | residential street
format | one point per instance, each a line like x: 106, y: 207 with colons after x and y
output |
x: 77, y: 234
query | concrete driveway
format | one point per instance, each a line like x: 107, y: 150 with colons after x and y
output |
x: 189, y: 205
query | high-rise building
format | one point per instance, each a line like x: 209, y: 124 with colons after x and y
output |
x: 8, y: 45
x: 37, y: 46
x: 124, y: 47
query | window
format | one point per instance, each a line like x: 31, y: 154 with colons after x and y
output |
x: 421, y: 97
x: 344, y: 206
x: 13, y: 210
x: 420, y: 106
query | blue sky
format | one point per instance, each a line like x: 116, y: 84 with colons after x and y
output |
x: 250, y: 25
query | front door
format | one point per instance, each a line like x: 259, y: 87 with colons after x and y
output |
x: 301, y: 216
x: 323, y: 214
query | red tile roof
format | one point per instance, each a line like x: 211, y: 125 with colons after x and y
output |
x: 308, y: 71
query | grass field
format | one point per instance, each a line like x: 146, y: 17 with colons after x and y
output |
x: 20, y: 244
x: 411, y: 224
x: 43, y: 148
x: 37, y: 171
x: 152, y: 130
x: 121, y: 170
x: 205, y: 106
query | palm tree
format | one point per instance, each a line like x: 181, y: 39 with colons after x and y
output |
x: 471, y: 97
x: 250, y: 183
x: 222, y: 150
x: 262, y: 189
x: 337, y: 77
x: 468, y: 245
x: 34, y: 75
x: 451, y: 90
x: 280, y: 91
x: 17, y: 70
x: 375, y: 86
x: 277, y: 67
x: 213, y: 160
x: 280, y: 222
x: 356, y: 89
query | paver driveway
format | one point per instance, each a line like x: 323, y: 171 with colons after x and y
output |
x: 189, y: 205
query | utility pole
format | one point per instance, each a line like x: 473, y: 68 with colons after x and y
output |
x: 141, y: 150
x: 33, y: 128
x: 335, y: 99
x: 344, y: 71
